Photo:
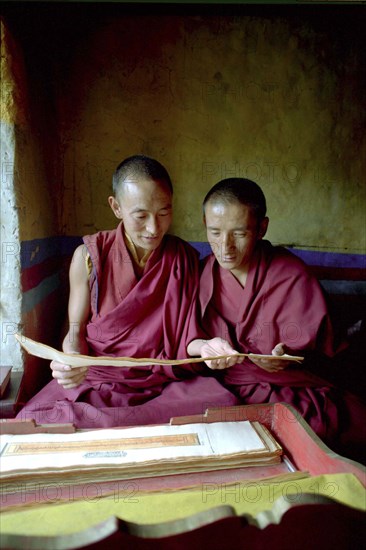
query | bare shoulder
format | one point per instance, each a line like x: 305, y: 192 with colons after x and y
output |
x: 78, y: 263
x: 80, y: 253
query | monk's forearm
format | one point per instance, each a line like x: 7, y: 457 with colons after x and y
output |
x: 75, y: 339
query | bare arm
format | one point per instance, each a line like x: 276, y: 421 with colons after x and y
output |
x: 78, y: 311
x: 79, y: 303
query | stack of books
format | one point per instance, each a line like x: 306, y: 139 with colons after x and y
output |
x: 130, y: 453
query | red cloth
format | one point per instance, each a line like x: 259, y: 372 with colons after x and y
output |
x: 148, y: 317
x: 151, y: 316
x: 281, y: 302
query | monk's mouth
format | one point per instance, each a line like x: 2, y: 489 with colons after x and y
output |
x: 228, y: 259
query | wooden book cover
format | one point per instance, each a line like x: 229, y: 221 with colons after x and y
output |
x: 5, y: 371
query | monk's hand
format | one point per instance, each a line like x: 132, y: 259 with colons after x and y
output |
x: 219, y: 346
x: 271, y: 365
x: 68, y: 377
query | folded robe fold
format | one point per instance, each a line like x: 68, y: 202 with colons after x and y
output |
x: 281, y: 302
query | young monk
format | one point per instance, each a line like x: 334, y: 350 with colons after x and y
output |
x: 258, y: 298
x: 132, y: 294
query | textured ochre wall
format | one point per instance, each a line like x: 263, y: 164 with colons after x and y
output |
x: 271, y: 93
x: 27, y: 210
x: 271, y: 98
x: 24, y: 110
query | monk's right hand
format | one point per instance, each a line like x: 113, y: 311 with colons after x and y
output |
x: 68, y: 377
x: 219, y: 346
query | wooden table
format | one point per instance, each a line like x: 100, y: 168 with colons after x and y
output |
x: 311, y: 520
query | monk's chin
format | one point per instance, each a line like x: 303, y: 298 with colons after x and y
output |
x: 150, y: 244
x: 226, y: 264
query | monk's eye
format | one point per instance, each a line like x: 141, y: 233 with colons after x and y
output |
x: 215, y: 233
x: 239, y: 234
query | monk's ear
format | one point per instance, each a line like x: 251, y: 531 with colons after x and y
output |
x: 263, y: 226
x: 114, y: 204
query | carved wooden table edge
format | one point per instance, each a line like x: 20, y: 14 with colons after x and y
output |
x: 290, y: 429
x: 194, y: 529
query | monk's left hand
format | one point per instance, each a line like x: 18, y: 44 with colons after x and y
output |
x: 219, y: 346
x: 68, y: 377
x: 271, y: 365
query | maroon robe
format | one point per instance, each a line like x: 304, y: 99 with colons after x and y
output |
x: 148, y: 316
x: 281, y: 302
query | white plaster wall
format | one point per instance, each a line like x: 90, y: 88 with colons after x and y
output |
x: 11, y: 296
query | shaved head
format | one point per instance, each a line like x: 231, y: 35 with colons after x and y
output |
x: 238, y: 190
x: 137, y: 168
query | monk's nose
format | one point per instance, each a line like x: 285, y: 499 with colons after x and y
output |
x: 227, y: 242
x: 152, y: 226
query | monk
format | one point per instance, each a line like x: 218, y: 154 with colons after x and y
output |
x: 258, y: 298
x: 132, y: 294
